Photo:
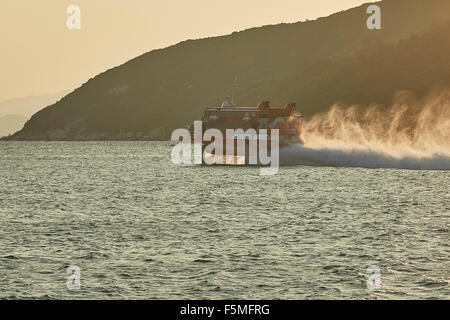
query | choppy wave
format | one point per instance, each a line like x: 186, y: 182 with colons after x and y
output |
x: 140, y: 227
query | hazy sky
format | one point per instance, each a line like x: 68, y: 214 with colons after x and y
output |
x: 40, y: 55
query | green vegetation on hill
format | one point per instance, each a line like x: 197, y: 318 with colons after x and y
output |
x: 314, y: 63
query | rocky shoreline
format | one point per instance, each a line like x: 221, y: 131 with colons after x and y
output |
x: 61, y: 135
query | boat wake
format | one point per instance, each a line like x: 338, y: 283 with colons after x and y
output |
x: 300, y: 155
x: 412, y: 134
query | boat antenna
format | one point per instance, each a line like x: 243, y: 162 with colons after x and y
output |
x: 229, y: 102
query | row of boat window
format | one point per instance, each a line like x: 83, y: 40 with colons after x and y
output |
x: 233, y: 114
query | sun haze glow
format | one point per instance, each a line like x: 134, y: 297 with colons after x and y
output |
x: 40, y: 55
